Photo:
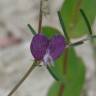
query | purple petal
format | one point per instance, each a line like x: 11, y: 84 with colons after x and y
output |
x: 39, y: 46
x: 56, y: 46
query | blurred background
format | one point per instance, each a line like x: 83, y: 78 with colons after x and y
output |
x: 15, y: 56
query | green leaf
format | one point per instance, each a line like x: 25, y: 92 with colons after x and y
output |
x: 74, y: 22
x: 75, y: 70
x: 50, y: 31
x: 75, y: 76
x: 54, y: 89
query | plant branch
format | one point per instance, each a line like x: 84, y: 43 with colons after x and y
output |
x: 65, y: 70
x: 61, y: 90
x: 65, y: 60
x: 40, y: 18
x: 23, y: 78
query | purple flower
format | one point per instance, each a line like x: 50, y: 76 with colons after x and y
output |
x: 47, y: 50
x: 38, y: 46
x: 56, y: 46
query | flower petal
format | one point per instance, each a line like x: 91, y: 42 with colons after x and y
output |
x: 39, y: 46
x: 56, y: 46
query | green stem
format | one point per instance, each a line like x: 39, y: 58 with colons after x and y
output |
x: 23, y: 78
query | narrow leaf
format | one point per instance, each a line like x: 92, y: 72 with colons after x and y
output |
x: 63, y: 26
x: 31, y: 29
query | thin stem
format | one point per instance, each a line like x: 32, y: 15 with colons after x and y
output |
x: 65, y: 70
x: 65, y: 60
x: 23, y: 78
x: 40, y: 18
x: 82, y: 41
x: 61, y: 90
